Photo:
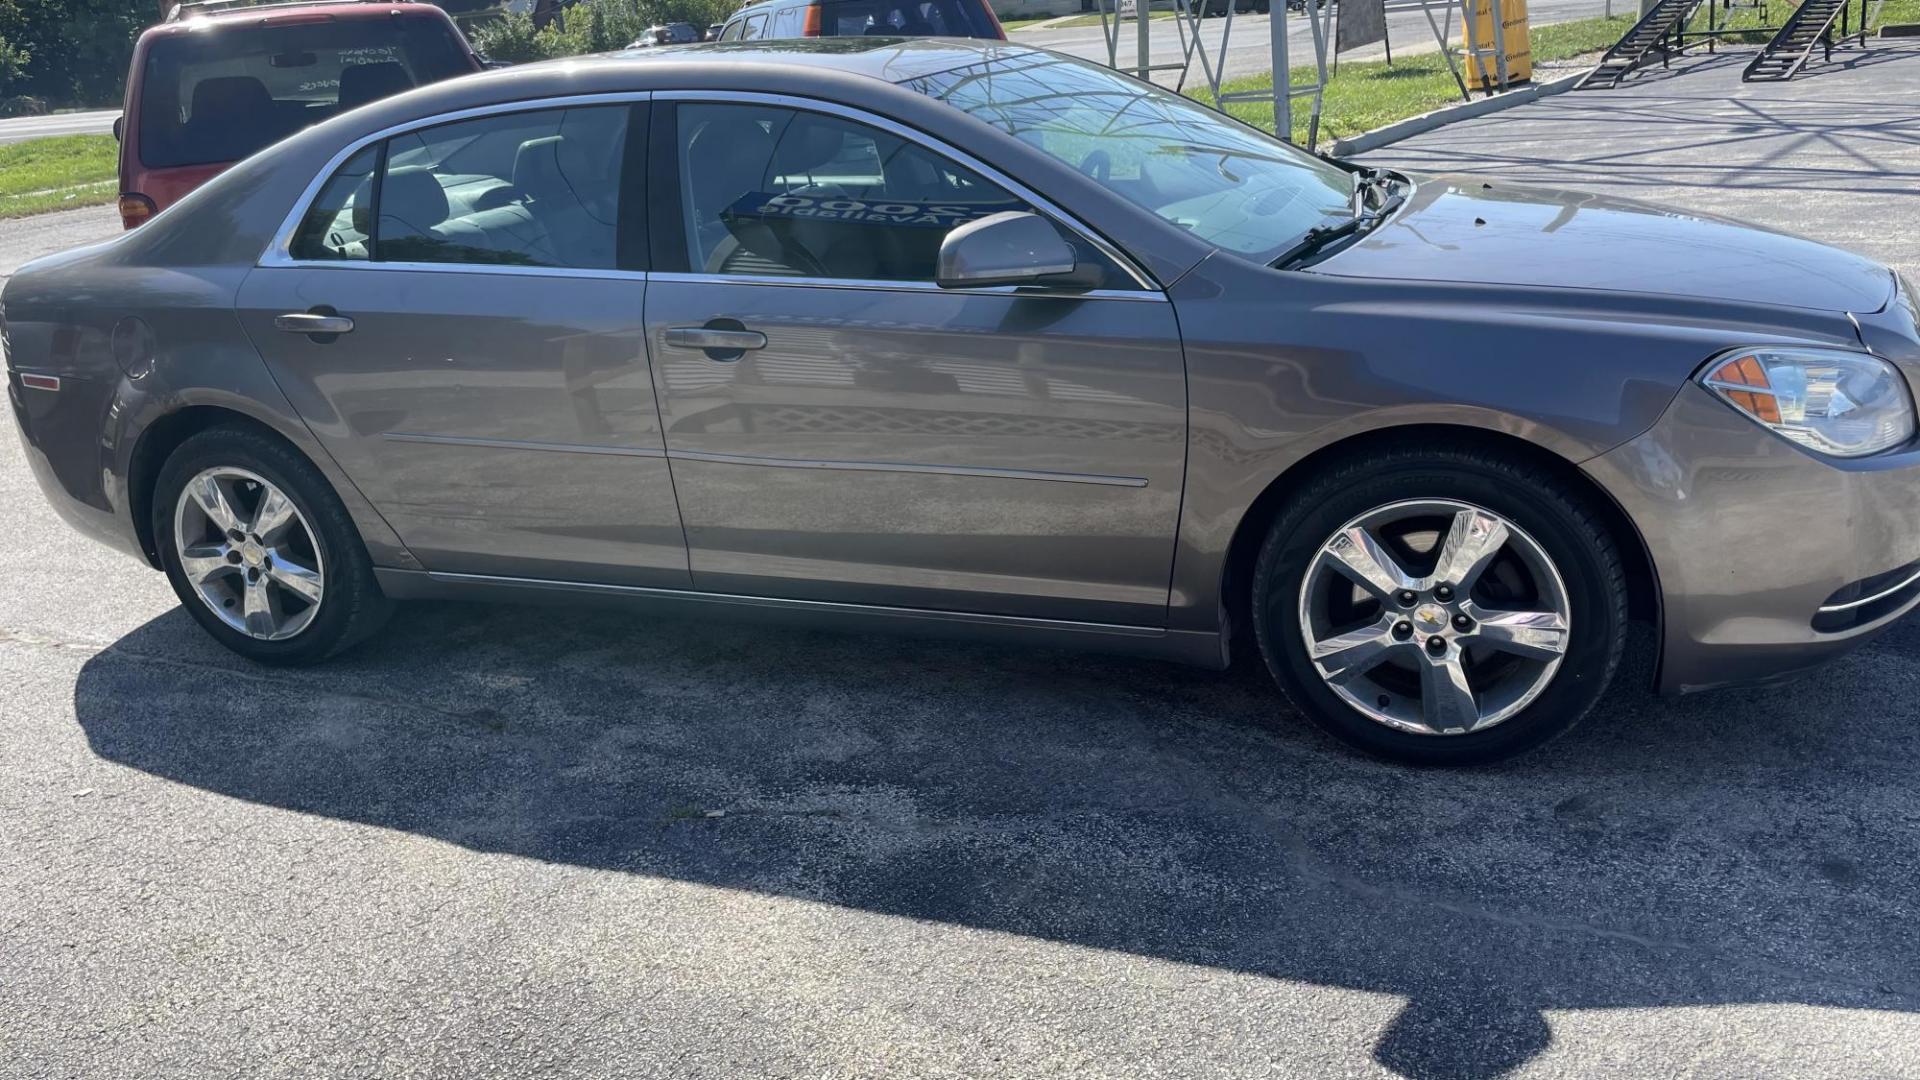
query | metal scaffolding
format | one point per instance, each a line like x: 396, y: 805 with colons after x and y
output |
x: 1187, y: 20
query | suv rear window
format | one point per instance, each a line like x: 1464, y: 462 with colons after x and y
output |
x: 907, y: 18
x: 221, y: 94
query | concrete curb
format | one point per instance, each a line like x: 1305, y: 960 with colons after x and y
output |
x: 1466, y: 110
x: 1048, y: 23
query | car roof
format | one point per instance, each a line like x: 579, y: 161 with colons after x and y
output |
x: 763, y: 5
x: 187, y: 21
x: 888, y: 59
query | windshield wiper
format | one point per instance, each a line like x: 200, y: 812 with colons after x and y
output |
x: 1320, y: 236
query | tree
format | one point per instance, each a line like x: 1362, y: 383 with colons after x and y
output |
x: 69, y: 52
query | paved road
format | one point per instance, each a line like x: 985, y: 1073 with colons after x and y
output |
x: 23, y: 240
x: 22, y: 128
x: 1249, y: 52
x: 1834, y: 155
x: 507, y: 842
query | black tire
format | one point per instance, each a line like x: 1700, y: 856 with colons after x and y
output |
x: 351, y: 608
x: 1555, y: 514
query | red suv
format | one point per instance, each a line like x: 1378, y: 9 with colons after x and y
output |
x: 218, y: 81
x: 859, y: 18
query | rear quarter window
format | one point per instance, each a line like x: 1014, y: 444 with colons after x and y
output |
x: 907, y: 18
x: 223, y: 93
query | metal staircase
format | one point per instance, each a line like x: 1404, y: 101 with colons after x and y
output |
x: 1651, y: 32
x: 1810, y: 24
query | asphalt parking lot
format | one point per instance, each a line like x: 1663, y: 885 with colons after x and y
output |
x: 504, y: 841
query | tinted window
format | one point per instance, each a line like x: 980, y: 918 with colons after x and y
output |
x: 787, y: 23
x: 336, y: 225
x: 1225, y: 182
x: 528, y: 189
x: 756, y: 27
x: 907, y: 18
x: 224, y: 92
x: 732, y: 31
x: 771, y: 191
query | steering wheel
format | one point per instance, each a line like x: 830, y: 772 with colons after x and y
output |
x: 1098, y: 165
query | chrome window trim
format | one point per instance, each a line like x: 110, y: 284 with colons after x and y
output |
x: 279, y: 252
x: 496, y: 269
x: 929, y: 143
x: 881, y: 285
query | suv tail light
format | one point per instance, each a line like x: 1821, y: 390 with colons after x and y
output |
x: 135, y: 209
x: 810, y: 25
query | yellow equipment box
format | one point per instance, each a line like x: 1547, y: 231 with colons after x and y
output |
x: 1483, y: 72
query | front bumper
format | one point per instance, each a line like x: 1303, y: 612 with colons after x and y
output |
x: 1751, y: 537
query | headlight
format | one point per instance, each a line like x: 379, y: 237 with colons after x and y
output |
x: 1848, y: 404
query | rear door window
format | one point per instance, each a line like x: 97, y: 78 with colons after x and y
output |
x: 225, y: 92
x: 907, y: 18
x: 756, y: 28
x: 540, y: 188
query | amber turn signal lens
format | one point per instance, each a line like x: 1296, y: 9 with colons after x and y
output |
x: 135, y: 209
x: 1744, y: 371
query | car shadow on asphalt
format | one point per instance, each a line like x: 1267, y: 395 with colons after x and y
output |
x: 1745, y: 847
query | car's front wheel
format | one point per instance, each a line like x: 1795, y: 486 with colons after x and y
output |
x: 260, y: 549
x: 1446, y: 606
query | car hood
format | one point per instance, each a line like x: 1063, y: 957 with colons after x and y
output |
x: 1458, y: 228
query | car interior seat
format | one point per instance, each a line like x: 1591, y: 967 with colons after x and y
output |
x: 363, y: 83
x: 570, y: 184
x: 232, y: 116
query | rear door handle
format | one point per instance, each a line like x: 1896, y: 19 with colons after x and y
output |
x: 309, y: 322
x: 715, y: 339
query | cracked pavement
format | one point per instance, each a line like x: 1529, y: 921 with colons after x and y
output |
x: 508, y: 842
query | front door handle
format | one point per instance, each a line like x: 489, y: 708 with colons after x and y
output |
x: 313, y: 322
x: 714, y: 339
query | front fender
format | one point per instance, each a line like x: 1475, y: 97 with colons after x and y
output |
x: 1282, y: 366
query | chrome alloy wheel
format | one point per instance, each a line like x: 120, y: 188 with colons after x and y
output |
x: 248, y: 553
x: 1434, y: 617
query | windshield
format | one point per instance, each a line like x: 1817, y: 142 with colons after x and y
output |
x: 223, y: 93
x: 1229, y: 184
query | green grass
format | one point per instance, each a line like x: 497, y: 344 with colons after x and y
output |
x: 58, y: 173
x: 1364, y: 95
x: 1012, y: 24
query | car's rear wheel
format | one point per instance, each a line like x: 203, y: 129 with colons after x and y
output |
x: 260, y: 549
x: 1441, y: 607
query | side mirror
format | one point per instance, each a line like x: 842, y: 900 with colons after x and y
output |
x: 1010, y: 248
x: 119, y: 126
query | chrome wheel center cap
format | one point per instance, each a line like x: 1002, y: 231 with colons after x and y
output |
x: 253, y: 554
x: 1429, y: 619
